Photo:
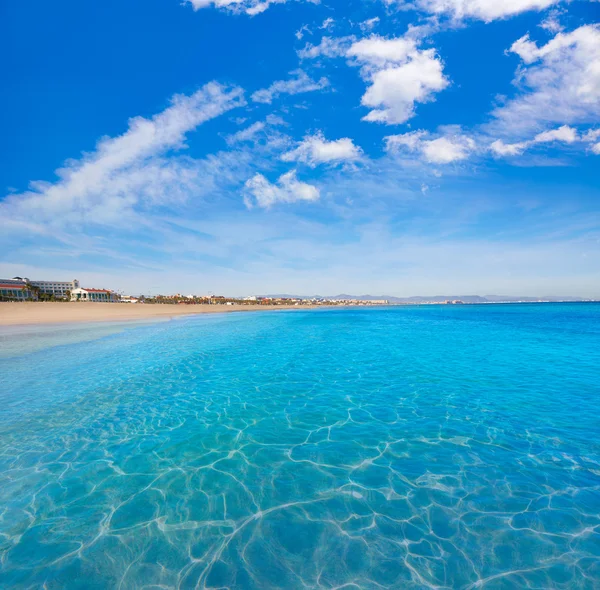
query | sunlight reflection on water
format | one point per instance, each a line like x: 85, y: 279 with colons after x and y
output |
x: 396, y: 448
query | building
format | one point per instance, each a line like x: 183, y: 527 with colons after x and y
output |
x: 94, y: 295
x: 14, y: 290
x: 57, y: 288
x: 129, y: 299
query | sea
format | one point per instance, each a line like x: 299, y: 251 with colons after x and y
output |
x: 440, y: 446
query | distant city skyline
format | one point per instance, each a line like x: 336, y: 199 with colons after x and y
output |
x: 346, y: 146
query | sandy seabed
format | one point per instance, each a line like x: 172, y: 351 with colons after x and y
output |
x: 33, y: 312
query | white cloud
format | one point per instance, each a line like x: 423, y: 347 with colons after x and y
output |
x: 299, y: 34
x: 508, y: 149
x: 485, y: 10
x: 415, y: 77
x: 559, y: 83
x: 327, y: 24
x: 246, y: 134
x: 552, y: 22
x: 398, y: 72
x: 563, y: 134
x: 124, y: 171
x: 288, y: 189
x: 592, y: 136
x: 256, y: 130
x: 250, y: 7
x: 315, y: 149
x: 399, y: 75
x: 328, y: 47
x: 300, y: 83
x: 369, y: 24
x: 379, y: 52
x: 273, y: 120
x: 446, y: 149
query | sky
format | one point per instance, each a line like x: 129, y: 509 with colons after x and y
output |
x: 243, y: 147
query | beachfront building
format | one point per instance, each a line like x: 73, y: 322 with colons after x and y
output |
x: 58, y: 289
x: 14, y: 290
x: 129, y: 299
x: 94, y: 295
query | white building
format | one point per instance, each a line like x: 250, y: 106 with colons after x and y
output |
x: 128, y: 299
x: 95, y: 295
x: 57, y: 288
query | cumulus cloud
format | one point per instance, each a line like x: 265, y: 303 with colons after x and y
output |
x: 250, y: 7
x: 398, y: 72
x: 485, y: 10
x: 445, y: 149
x: 508, y: 149
x: 563, y: 134
x: 288, y: 189
x: 127, y: 170
x: 315, y: 149
x: 559, y: 83
x: 379, y: 52
x: 299, y: 83
x: 399, y: 76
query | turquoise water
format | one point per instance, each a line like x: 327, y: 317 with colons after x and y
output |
x: 417, y: 447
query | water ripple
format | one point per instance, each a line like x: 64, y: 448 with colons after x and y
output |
x: 409, y: 448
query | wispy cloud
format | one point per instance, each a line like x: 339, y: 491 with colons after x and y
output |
x: 124, y: 172
x: 564, y: 134
x: 370, y: 23
x: 250, y: 7
x: 299, y: 83
x: 328, y: 47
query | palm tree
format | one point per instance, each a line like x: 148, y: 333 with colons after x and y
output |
x: 32, y: 290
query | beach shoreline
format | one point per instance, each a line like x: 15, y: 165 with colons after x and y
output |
x: 34, y: 312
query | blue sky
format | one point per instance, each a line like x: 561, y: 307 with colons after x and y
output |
x: 244, y: 146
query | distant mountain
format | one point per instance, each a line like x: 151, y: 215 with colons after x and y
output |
x: 437, y: 298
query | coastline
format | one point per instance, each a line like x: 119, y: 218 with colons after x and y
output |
x: 33, y: 312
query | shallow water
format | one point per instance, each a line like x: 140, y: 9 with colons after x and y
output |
x: 416, y: 447
x: 23, y: 339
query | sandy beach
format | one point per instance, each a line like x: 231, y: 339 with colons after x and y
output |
x: 28, y: 313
